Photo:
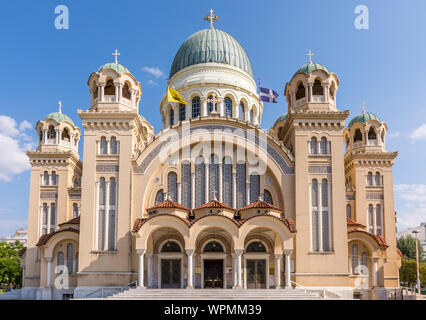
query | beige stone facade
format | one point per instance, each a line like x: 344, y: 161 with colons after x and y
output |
x: 212, y: 200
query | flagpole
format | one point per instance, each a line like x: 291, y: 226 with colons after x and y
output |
x: 259, y: 98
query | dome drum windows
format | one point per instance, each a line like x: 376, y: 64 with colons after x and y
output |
x: 196, y: 105
x: 228, y: 107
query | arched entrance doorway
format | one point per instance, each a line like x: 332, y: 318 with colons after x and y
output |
x: 171, y: 265
x: 257, y: 261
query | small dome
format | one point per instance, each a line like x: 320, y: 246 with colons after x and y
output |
x: 282, y: 117
x: 59, y: 117
x: 311, y: 67
x: 363, y: 118
x: 211, y: 45
x: 114, y: 66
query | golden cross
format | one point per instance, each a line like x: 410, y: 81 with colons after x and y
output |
x: 310, y: 54
x: 116, y: 54
x: 212, y: 18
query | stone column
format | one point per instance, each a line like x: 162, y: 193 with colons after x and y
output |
x: 287, y: 254
x: 190, y: 254
x: 101, y: 91
x: 149, y: 267
x: 206, y: 174
x: 248, y: 192
x: 278, y: 258
x: 326, y: 88
x: 141, y: 253
x: 239, y: 253
x: 234, y: 271
x: 193, y: 190
x: 203, y: 107
x: 375, y: 277
x: 133, y: 97
x: 179, y: 193
x: 310, y: 96
x: 234, y: 190
x: 236, y: 114
x: 49, y: 272
x: 120, y: 91
x: 116, y: 91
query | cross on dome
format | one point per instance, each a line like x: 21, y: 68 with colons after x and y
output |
x: 116, y: 54
x: 310, y: 54
x: 363, y: 107
x: 60, y: 106
x: 211, y: 18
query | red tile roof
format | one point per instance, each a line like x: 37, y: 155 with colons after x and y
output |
x: 379, y: 239
x: 352, y: 222
x: 259, y: 204
x: 72, y: 221
x: 289, y: 223
x: 236, y: 222
x: 141, y: 221
x: 213, y: 205
x: 168, y: 204
x: 45, y: 238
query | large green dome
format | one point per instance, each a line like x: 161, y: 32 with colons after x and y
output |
x: 211, y: 45
x: 364, y: 118
x: 59, y: 117
x: 282, y: 117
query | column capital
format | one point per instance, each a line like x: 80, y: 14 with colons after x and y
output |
x: 239, y: 252
x: 102, y: 84
x: 48, y: 259
x: 141, y: 251
x: 278, y: 256
x: 189, y: 252
x: 287, y: 252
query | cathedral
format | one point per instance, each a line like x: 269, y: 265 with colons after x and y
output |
x: 212, y: 200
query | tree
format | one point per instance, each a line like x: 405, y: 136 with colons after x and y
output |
x: 408, y: 273
x: 10, y: 265
x: 407, y: 245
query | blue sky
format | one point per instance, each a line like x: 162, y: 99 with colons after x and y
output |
x: 383, y: 66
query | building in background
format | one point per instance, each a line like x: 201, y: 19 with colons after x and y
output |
x: 421, y: 235
x: 20, y: 235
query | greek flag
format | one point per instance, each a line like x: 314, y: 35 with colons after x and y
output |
x: 268, y: 95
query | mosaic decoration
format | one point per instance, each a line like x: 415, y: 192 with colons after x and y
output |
x: 267, y: 197
x: 261, y: 143
x: 172, y: 186
x: 227, y: 183
x: 200, y: 180
x: 241, y: 185
x: 107, y: 168
x: 319, y: 169
x: 186, y: 185
x: 254, y: 187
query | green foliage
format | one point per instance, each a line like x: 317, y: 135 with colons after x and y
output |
x: 10, y: 265
x: 407, y: 245
x: 408, y: 273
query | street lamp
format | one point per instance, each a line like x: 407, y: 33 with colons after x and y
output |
x: 417, y: 261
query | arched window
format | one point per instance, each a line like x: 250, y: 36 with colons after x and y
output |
x: 186, y: 184
x: 172, y: 117
x: 324, y: 146
x: 256, y: 246
x: 51, y: 133
x: 314, y: 146
x: 45, y: 218
x: 101, y: 214
x: 377, y: 179
x: 372, y: 134
x: 76, y: 262
x: 210, y: 105
x: 379, y: 226
x: 242, y: 112
x: 172, y: 186
x: 348, y: 211
x: 61, y: 260
x: 241, y: 185
x: 159, y: 197
x: 370, y: 179
x: 200, y: 181
x: 227, y: 181
x: 40, y: 135
x: 195, y: 107
x: 75, y: 210
x: 254, y: 187
x: 171, y: 246
x: 126, y: 91
x: 317, y: 89
x: 267, y: 197
x: 182, y: 112
x: 70, y: 255
x: 228, y: 107
x: 358, y: 136
x: 52, y: 217
x: 103, y: 146
x: 66, y: 135
x: 325, y: 216
x: 354, y: 259
x: 363, y: 261
x: 109, y: 88
x: 315, y: 216
x: 112, y: 192
x: 46, y: 178
x: 113, y: 145
x: 370, y: 219
x: 54, y: 178
x: 213, y: 246
x: 213, y: 177
x: 301, y: 92
x: 251, y: 116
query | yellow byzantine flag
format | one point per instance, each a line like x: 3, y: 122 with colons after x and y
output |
x: 174, y: 96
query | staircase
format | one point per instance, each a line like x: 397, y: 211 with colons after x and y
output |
x: 11, y: 295
x: 215, y: 294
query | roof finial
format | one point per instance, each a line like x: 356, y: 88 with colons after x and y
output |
x: 116, y: 54
x: 60, y: 106
x: 363, y: 108
x: 310, y: 54
x: 212, y: 18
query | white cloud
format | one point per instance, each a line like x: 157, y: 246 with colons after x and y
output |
x: 393, y: 134
x: 410, y: 204
x: 419, y: 133
x: 154, y: 71
x: 152, y: 83
x: 14, y: 142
